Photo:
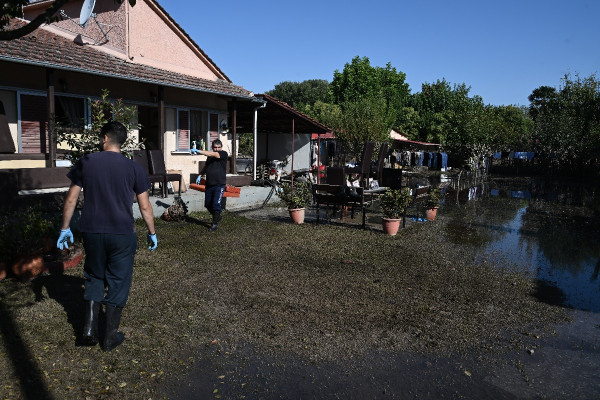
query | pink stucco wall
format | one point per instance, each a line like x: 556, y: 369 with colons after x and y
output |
x: 155, y: 41
x: 142, y: 34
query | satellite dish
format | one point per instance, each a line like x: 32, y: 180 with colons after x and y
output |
x: 84, y: 17
x: 86, y: 12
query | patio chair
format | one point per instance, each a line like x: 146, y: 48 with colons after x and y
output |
x: 364, y: 169
x: 157, y: 166
x: 141, y: 157
x: 336, y: 176
x: 377, y: 169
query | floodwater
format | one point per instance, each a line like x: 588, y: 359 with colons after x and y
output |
x: 542, y: 227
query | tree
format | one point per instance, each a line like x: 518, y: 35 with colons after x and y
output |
x: 360, y: 81
x: 464, y: 125
x: 510, y: 128
x: 299, y: 94
x: 541, y: 98
x: 443, y: 111
x: 328, y: 114
x: 14, y: 8
x: 246, y: 144
x: 409, y: 122
x: 567, y: 126
x: 363, y: 120
x: 370, y: 99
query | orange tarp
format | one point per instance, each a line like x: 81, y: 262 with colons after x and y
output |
x: 230, y: 191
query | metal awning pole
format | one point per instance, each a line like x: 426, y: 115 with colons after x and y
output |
x: 254, y: 145
x: 255, y: 141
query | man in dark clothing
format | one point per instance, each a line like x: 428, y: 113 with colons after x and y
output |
x: 109, y: 180
x: 215, y: 170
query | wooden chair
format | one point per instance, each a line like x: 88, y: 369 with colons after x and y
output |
x: 419, y: 196
x: 141, y: 157
x: 336, y: 176
x: 329, y: 195
x: 157, y: 166
x: 364, y: 169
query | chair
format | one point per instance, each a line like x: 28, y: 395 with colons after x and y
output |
x: 336, y: 176
x: 141, y: 157
x: 364, y: 169
x: 157, y: 166
x: 377, y: 169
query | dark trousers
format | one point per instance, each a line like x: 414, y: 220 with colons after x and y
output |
x: 213, y: 197
x: 108, y: 267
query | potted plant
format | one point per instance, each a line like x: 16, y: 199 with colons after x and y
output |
x: 296, y: 198
x: 432, y: 203
x: 393, y: 204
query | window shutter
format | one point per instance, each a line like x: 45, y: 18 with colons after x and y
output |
x: 183, y: 130
x: 34, y: 124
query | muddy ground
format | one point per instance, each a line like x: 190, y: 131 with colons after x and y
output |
x: 264, y: 309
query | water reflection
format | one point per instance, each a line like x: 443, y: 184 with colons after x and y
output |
x: 542, y: 228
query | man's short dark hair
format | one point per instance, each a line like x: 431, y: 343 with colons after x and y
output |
x: 217, y: 142
x: 116, y: 132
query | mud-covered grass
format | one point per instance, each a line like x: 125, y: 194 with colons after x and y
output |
x: 322, y: 292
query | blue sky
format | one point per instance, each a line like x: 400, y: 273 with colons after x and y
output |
x: 502, y: 49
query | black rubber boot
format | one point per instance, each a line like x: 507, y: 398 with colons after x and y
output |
x: 89, y: 336
x: 215, y: 221
x: 112, y: 338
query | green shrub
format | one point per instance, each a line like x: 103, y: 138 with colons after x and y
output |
x: 24, y: 233
x: 296, y: 197
x: 394, y: 202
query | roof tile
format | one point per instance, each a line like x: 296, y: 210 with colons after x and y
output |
x: 46, y: 48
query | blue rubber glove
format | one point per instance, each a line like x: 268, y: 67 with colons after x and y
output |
x: 152, y: 242
x: 198, y: 179
x: 64, y: 237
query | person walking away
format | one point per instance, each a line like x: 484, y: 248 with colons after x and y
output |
x: 215, y: 170
x: 109, y: 180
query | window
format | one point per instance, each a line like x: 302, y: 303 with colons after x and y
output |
x: 70, y: 111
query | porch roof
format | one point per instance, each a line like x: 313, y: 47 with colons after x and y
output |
x: 46, y: 49
x: 276, y: 117
x: 415, y: 143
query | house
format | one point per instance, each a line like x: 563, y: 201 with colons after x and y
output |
x: 141, y: 55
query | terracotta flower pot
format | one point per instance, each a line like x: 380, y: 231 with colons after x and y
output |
x: 297, y: 215
x: 390, y: 226
x: 430, y: 213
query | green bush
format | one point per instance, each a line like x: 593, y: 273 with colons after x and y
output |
x: 24, y: 233
x: 433, y: 198
x: 296, y: 197
x: 394, y: 202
